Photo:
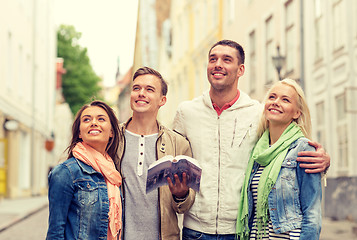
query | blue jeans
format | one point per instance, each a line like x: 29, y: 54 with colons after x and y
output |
x: 189, y: 234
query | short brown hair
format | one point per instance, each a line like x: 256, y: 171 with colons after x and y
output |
x: 147, y: 70
x: 233, y: 44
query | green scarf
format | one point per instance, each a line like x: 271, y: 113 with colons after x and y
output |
x: 272, y: 158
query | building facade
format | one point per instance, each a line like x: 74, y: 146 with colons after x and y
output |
x: 331, y: 80
x: 188, y: 32
x: 27, y: 95
x: 318, y: 42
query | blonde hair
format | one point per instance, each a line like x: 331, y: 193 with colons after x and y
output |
x: 303, y: 121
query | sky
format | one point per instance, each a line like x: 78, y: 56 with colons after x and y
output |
x: 108, y: 31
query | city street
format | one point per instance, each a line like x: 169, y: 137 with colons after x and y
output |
x: 34, y: 227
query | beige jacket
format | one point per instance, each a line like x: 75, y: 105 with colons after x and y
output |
x: 168, y: 143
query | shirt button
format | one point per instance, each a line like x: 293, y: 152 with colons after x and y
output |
x: 252, y: 170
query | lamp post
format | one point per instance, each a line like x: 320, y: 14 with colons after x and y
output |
x: 278, y: 61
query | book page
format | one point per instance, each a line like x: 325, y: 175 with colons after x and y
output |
x: 168, y: 166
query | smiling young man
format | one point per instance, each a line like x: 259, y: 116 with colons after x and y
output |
x: 221, y: 126
x: 143, y: 141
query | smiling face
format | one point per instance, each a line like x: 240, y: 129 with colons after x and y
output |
x: 281, y: 107
x: 146, y: 95
x: 95, y: 128
x: 223, y: 68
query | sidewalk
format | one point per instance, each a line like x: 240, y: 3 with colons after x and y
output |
x: 14, y: 210
x: 343, y: 229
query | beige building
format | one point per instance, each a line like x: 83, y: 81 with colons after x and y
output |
x: 27, y: 95
x: 319, y: 44
x: 260, y: 27
x: 195, y: 26
x: 331, y: 84
x: 317, y: 39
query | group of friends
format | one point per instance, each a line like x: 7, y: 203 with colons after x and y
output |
x: 261, y: 175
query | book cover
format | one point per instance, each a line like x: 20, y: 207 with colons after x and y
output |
x: 167, y: 166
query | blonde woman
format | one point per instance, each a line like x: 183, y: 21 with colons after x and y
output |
x: 279, y: 200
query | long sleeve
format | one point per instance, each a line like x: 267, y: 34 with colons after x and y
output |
x: 60, y: 195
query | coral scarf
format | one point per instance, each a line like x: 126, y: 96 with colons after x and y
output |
x: 104, y: 165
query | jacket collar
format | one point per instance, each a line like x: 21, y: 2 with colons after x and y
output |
x: 243, y: 101
x: 124, y: 125
x: 85, y: 168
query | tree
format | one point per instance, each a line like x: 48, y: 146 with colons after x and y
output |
x: 80, y: 83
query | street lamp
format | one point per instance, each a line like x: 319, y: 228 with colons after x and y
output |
x: 278, y: 61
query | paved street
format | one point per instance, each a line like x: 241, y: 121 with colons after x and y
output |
x: 34, y: 227
x: 28, y: 218
x: 338, y: 230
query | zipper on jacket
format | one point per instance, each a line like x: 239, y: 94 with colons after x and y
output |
x: 234, y: 131
x: 219, y: 170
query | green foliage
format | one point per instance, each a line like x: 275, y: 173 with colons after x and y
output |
x: 80, y: 83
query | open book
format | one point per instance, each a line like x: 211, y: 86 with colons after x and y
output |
x: 167, y: 166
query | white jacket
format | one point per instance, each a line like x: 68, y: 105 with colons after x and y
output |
x: 222, y: 144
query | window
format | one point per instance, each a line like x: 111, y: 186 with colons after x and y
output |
x: 252, y: 62
x: 197, y: 27
x: 269, y: 48
x: 338, y: 24
x: 355, y: 15
x: 215, y: 10
x: 320, y: 123
x: 318, y: 30
x: 24, y: 176
x: 230, y: 10
x: 342, y: 134
x: 20, y: 73
x: 290, y: 34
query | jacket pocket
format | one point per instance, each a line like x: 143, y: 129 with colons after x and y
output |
x: 87, y: 192
x: 288, y: 190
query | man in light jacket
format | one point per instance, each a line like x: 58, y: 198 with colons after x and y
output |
x: 221, y: 126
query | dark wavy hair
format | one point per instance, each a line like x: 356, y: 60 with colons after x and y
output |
x: 112, y: 146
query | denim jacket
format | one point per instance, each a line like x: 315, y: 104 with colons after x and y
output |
x: 78, y: 202
x: 295, y: 199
